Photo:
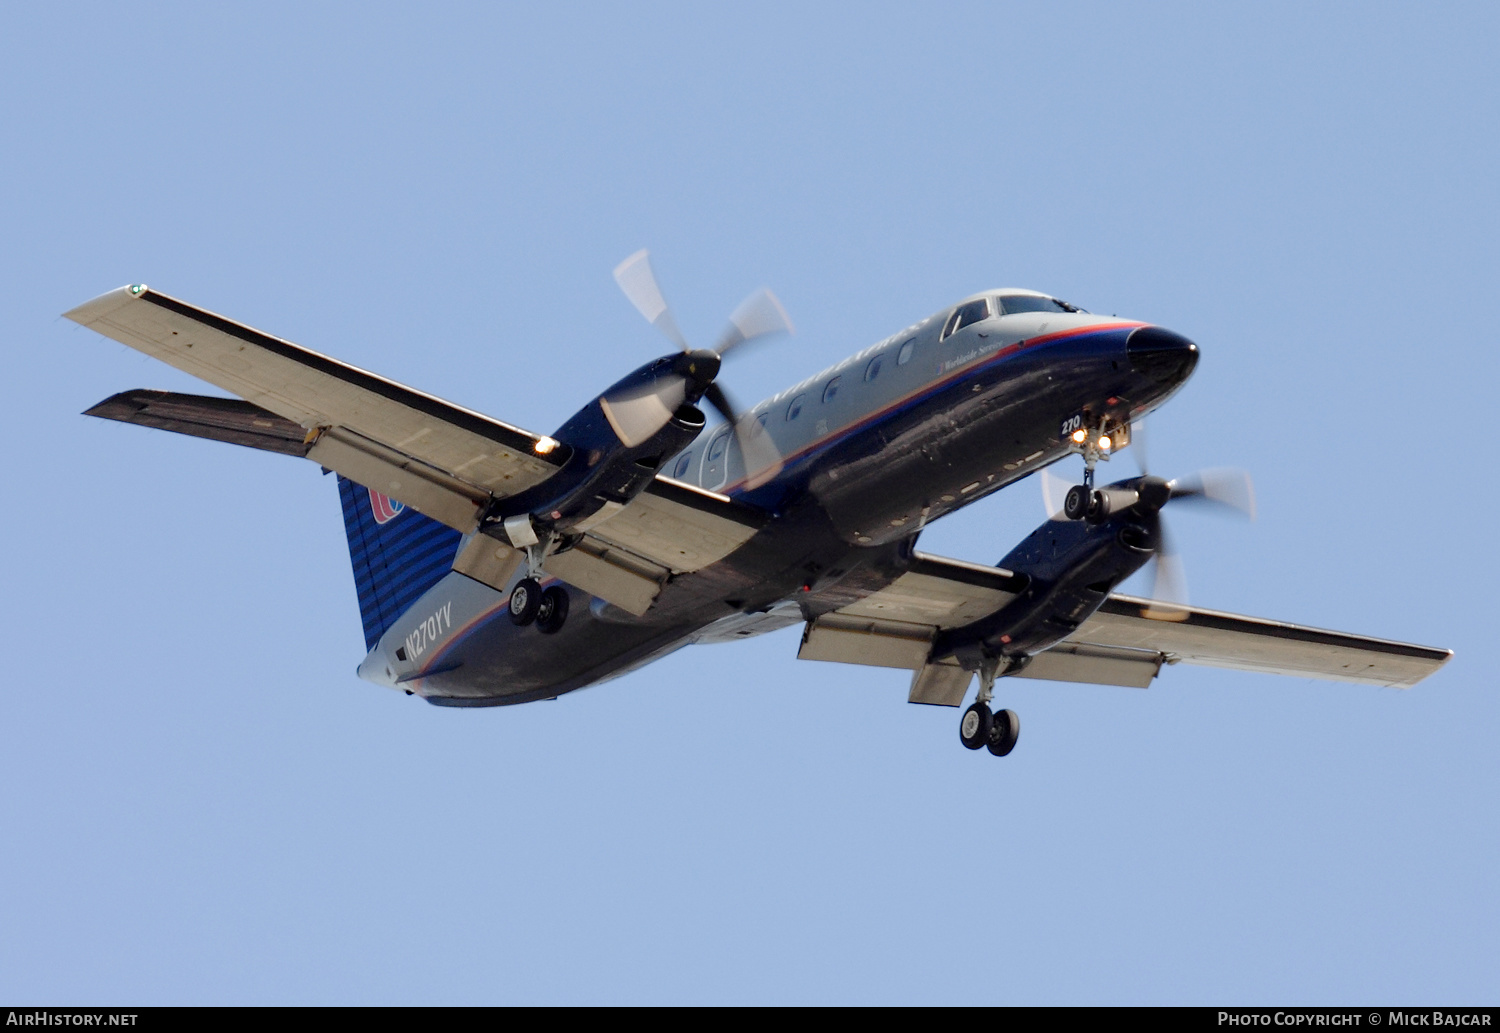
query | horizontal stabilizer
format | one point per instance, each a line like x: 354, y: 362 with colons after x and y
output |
x: 218, y: 419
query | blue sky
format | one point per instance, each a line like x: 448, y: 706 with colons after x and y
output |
x: 202, y: 804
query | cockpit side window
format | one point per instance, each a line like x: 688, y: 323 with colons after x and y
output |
x: 967, y: 315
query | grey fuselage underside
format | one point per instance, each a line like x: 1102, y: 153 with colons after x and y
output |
x: 866, y: 471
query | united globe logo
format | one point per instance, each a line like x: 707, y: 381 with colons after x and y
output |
x: 384, y: 507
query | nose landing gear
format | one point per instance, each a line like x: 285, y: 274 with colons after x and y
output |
x: 983, y: 728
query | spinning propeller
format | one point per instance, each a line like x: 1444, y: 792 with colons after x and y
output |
x: 1223, y: 487
x: 639, y: 412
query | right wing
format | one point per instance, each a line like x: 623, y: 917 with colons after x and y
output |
x: 1214, y: 639
x: 445, y: 461
x: 1119, y: 645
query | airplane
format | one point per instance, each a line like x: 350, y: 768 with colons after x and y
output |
x: 496, y: 566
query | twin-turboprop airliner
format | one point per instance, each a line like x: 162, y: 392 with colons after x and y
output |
x: 497, y: 566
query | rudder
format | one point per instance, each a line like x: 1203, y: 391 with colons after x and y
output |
x: 397, y: 554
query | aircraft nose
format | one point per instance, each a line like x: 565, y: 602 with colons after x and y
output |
x: 1165, y: 357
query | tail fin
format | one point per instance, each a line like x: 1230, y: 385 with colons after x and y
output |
x: 397, y: 554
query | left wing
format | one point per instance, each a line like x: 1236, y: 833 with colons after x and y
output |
x: 444, y: 461
x: 625, y: 556
x: 439, y: 458
x: 1118, y: 645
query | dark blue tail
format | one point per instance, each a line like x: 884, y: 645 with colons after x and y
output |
x: 397, y: 554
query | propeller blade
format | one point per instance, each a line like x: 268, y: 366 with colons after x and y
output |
x: 636, y: 279
x: 1169, y: 593
x: 1054, y: 493
x: 762, y: 458
x: 636, y: 415
x: 1224, y: 486
x: 758, y: 315
x: 1138, y: 446
x: 720, y: 400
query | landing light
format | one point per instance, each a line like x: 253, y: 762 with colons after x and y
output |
x: 1079, y: 435
x: 1104, y: 441
x: 544, y: 445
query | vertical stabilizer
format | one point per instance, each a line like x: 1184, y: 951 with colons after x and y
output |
x: 397, y: 555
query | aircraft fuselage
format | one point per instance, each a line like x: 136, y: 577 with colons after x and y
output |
x: 913, y: 428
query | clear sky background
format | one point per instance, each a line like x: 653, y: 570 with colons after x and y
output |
x: 200, y: 803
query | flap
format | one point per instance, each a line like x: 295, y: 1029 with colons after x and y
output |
x: 679, y: 526
x: 1216, y: 639
x: 872, y: 643
x: 314, y: 391
x: 1095, y: 665
x: 940, y: 592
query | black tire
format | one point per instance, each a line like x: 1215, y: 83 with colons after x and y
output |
x: 553, y: 610
x: 1004, y: 732
x: 1098, y: 511
x: 974, y: 728
x: 525, y: 598
x: 1076, y: 504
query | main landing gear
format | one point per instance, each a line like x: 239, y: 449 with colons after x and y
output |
x: 530, y: 603
x: 980, y: 727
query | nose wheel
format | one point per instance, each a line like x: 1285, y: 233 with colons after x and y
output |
x: 982, y: 728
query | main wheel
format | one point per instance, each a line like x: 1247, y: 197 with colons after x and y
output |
x: 1004, y: 732
x: 1076, y: 504
x: 553, y: 610
x: 525, y: 599
x: 974, y: 729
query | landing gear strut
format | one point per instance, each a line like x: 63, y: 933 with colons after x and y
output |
x: 981, y: 727
x: 1093, y: 443
x: 529, y: 601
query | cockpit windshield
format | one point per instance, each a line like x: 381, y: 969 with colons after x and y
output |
x: 1010, y: 304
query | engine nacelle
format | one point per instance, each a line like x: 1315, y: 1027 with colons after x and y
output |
x: 1071, y: 567
x: 601, y: 473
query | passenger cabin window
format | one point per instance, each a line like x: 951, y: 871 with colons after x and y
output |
x: 716, y: 450
x: 795, y: 409
x: 873, y: 369
x: 682, y: 465
x: 1012, y: 303
x: 904, y: 355
x: 967, y: 315
x: 832, y: 389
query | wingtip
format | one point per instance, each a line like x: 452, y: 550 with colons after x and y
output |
x: 96, y: 308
